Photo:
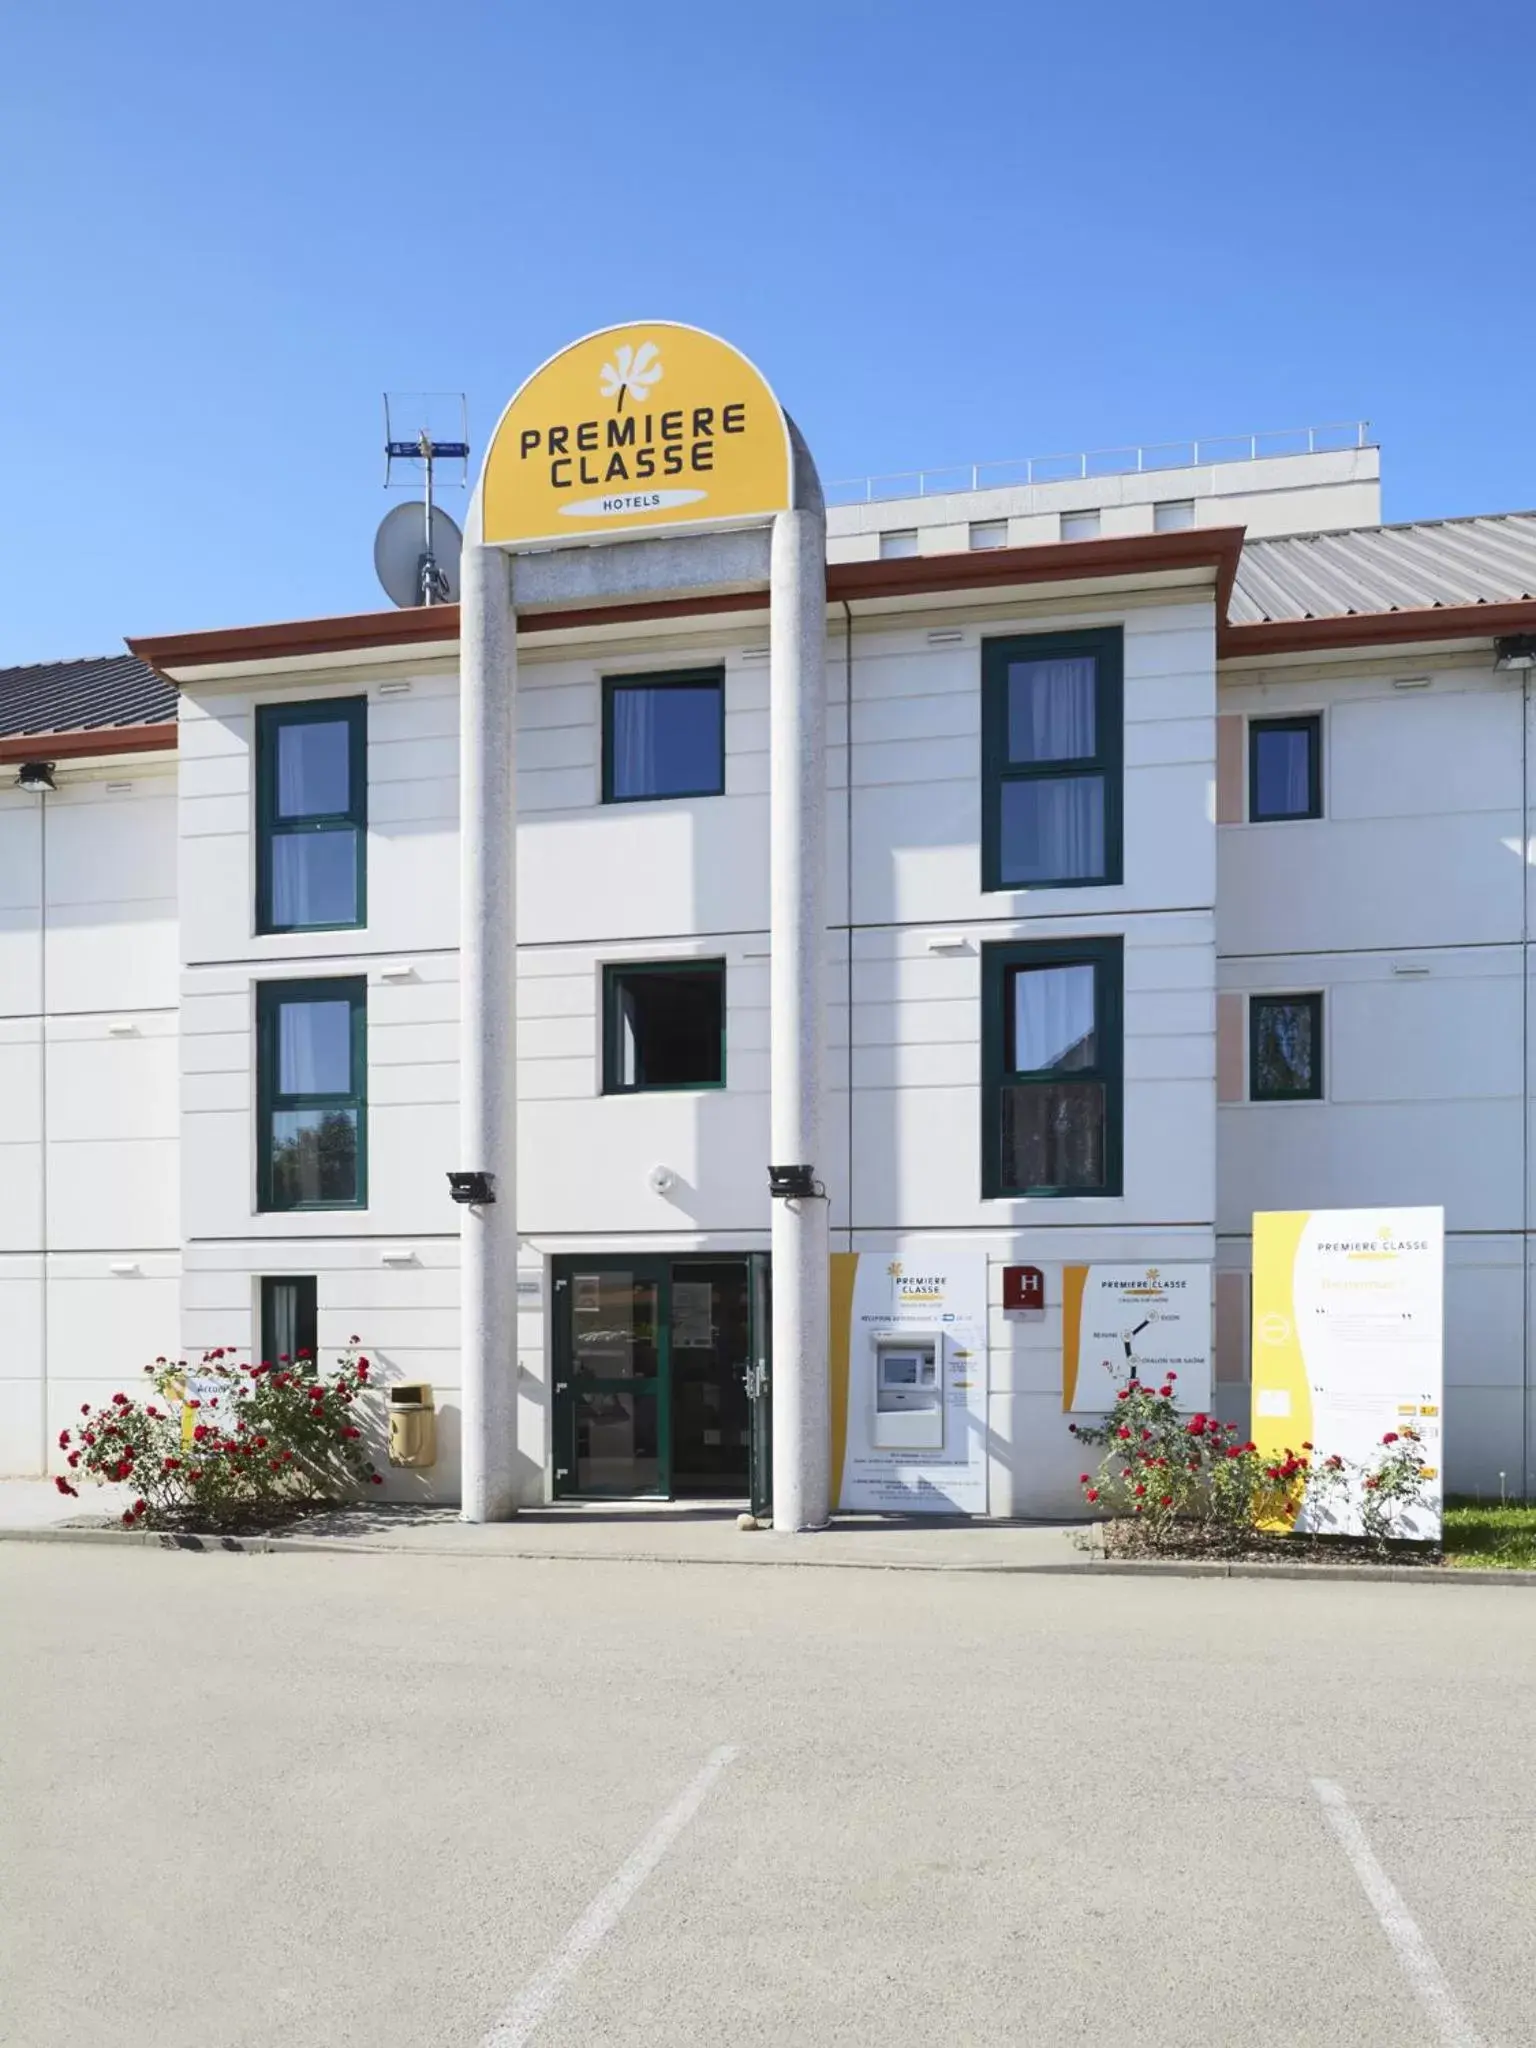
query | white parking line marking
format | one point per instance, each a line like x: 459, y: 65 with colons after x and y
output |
x: 1397, y: 1923
x: 519, y: 2022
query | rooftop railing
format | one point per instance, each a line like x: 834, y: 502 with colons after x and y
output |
x: 1058, y: 469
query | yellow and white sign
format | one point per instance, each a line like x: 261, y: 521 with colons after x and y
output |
x: 635, y: 430
x: 1348, y: 1342
x: 909, y: 1383
x: 1141, y: 1322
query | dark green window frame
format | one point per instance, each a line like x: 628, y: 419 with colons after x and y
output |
x: 1257, y: 1004
x: 1312, y: 726
x: 301, y: 1309
x: 270, y: 720
x: 1107, y: 647
x: 615, y: 974
x: 679, y: 678
x: 998, y: 963
x: 270, y: 1101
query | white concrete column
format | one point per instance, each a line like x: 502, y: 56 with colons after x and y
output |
x: 797, y: 739
x: 488, y: 1028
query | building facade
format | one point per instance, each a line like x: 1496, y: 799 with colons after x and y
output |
x: 1178, y: 867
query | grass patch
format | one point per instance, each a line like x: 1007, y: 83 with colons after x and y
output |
x: 1490, y: 1535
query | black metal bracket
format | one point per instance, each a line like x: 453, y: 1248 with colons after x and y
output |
x: 474, y: 1188
x: 786, y: 1183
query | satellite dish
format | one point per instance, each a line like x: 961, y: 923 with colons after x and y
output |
x: 405, y: 563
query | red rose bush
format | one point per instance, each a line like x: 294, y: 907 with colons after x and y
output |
x: 228, y: 1444
x: 1173, y: 1481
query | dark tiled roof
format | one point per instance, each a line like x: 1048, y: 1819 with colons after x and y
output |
x: 77, y: 696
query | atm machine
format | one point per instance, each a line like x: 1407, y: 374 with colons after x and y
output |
x: 909, y: 1391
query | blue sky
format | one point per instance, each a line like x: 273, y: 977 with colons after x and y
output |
x: 945, y: 233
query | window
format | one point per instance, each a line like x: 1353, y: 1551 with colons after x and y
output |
x: 1079, y: 525
x: 989, y: 533
x: 1051, y: 760
x: 1174, y: 515
x: 312, y: 1061
x: 1051, y: 1067
x: 664, y: 1026
x: 311, y: 815
x: 1285, y: 1048
x: 288, y: 1320
x: 1285, y: 769
x: 897, y: 546
x: 663, y: 735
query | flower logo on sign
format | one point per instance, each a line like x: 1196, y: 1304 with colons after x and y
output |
x: 632, y: 370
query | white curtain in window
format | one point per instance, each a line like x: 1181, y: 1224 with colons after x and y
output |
x: 281, y: 1336
x: 1051, y: 710
x: 314, y: 876
x: 313, y: 770
x: 1053, y: 1017
x: 314, y: 1048
x: 1289, y: 765
x: 635, y: 767
x: 1053, y: 829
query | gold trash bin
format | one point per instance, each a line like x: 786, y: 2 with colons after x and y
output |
x: 412, y: 1425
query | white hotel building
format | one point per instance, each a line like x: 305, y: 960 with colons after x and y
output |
x: 1179, y: 867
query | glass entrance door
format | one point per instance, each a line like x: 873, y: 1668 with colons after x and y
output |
x: 660, y: 1377
x: 610, y: 1417
x: 710, y: 1352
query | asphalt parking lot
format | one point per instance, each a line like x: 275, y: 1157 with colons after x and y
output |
x: 422, y: 1802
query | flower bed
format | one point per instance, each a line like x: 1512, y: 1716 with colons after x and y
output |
x: 1173, y: 1485
x: 228, y: 1446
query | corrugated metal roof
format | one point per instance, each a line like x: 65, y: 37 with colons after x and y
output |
x: 78, y: 696
x: 1431, y: 563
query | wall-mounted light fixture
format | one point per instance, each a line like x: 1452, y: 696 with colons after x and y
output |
x: 36, y: 778
x: 1516, y: 650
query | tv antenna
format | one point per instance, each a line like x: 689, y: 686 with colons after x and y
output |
x: 416, y: 549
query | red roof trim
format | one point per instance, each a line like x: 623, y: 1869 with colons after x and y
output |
x: 1216, y: 548
x: 1375, y: 629
x: 100, y: 739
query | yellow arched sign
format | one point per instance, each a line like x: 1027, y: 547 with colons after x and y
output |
x: 637, y: 429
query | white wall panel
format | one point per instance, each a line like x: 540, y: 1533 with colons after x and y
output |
x: 102, y: 1087
x: 112, y: 957
x: 21, y: 1426
x: 109, y: 1192
x: 21, y: 1195
x: 20, y: 898
x: 21, y: 1317
x: 101, y: 1324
